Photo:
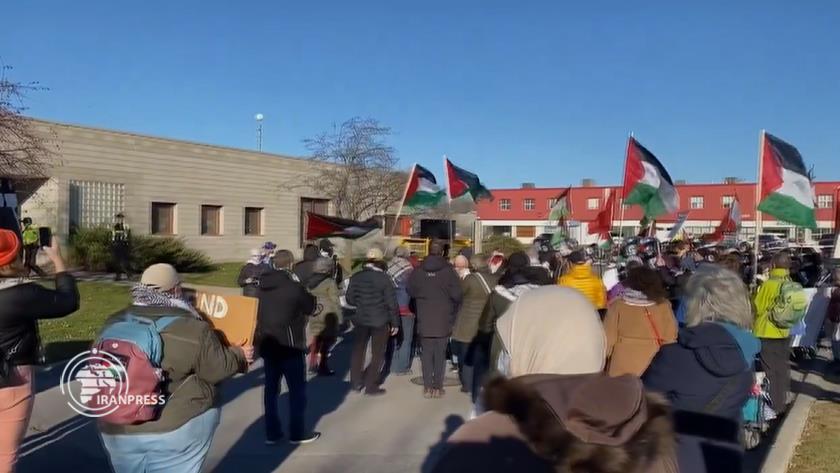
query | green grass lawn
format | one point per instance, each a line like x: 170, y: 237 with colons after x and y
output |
x: 818, y: 450
x: 224, y: 275
x: 66, y: 337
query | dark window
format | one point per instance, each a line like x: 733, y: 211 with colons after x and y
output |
x: 163, y: 218
x: 211, y: 220
x: 253, y: 220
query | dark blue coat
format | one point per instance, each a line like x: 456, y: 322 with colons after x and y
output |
x: 707, y: 375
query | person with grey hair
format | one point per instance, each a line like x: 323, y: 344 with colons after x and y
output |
x: 708, y: 374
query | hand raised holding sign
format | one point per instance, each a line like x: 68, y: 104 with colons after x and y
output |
x: 235, y: 317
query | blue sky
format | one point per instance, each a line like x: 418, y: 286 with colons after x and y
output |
x: 540, y: 91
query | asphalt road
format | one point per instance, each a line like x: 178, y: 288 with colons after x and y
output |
x: 390, y: 434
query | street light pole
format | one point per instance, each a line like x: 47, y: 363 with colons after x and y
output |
x: 259, y: 118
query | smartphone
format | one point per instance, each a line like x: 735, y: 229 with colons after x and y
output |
x: 45, y: 236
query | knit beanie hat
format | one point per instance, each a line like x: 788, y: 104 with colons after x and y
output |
x: 9, y: 247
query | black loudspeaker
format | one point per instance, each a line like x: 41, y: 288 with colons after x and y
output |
x: 437, y: 229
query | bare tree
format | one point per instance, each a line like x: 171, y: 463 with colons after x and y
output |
x: 23, y: 153
x: 359, y: 172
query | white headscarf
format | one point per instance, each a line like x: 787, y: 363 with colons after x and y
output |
x: 552, y: 330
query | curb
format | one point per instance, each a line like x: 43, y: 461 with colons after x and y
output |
x: 784, y: 446
x: 780, y: 453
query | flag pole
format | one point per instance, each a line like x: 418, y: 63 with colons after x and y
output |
x: 449, y: 205
x: 402, y: 203
x: 623, y: 180
x: 758, y: 214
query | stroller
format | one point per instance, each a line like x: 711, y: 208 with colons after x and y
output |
x: 757, y: 412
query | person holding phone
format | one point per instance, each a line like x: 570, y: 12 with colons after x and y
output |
x: 22, y: 304
x: 31, y: 239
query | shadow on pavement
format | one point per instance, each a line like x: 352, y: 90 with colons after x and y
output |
x: 451, y: 424
x: 324, y: 395
x: 75, y: 443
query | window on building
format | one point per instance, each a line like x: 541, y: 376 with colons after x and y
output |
x: 163, y: 218
x: 253, y: 221
x: 697, y: 202
x: 499, y: 230
x: 307, y: 204
x: 825, y: 201
x: 94, y: 203
x: 211, y: 220
x: 727, y: 201
x: 593, y: 203
x: 504, y: 204
x: 529, y: 204
x: 551, y: 203
x: 526, y: 231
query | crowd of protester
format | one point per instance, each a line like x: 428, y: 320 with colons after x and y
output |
x: 647, y: 373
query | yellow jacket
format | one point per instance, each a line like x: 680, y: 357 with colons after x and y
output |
x: 765, y: 299
x: 582, y: 278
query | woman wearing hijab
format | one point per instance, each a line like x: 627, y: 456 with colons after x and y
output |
x: 638, y: 323
x: 554, y: 410
x: 708, y: 374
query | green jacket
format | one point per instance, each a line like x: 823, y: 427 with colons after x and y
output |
x: 328, y: 313
x: 765, y: 298
x: 195, y: 362
x: 476, y: 294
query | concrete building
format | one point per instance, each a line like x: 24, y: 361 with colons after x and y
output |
x: 220, y: 200
x: 523, y: 213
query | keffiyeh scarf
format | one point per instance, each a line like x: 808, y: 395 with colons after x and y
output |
x: 147, y: 296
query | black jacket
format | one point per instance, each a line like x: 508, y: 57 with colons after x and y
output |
x: 283, y: 311
x: 372, y: 293
x: 435, y: 289
x: 707, y: 376
x: 21, y: 306
x: 252, y: 272
x: 303, y: 269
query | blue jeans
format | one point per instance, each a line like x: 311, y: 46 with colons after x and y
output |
x: 182, y: 450
x: 404, y: 353
x: 286, y: 363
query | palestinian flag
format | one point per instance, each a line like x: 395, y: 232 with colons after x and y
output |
x: 461, y: 182
x: 603, y: 223
x: 422, y: 191
x: 786, y: 190
x: 647, y: 183
x: 560, y: 210
x: 323, y: 226
x: 729, y: 225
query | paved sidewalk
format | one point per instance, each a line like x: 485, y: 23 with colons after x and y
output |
x: 811, y: 380
x: 391, y: 434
